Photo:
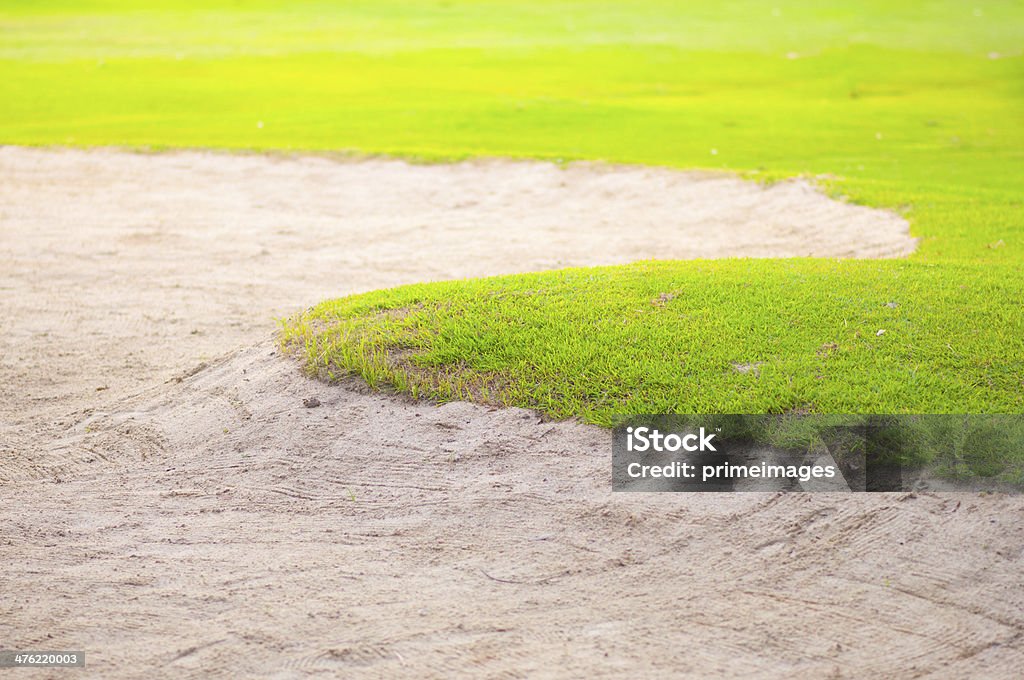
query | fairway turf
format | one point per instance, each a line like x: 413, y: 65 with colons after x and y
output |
x: 705, y: 336
x: 915, y: 107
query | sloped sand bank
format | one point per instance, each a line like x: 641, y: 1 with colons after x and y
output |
x: 238, y: 532
x: 170, y: 506
x: 119, y: 270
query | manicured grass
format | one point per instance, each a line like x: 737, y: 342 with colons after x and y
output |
x: 916, y: 106
x: 730, y: 336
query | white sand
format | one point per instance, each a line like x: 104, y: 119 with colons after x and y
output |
x: 118, y: 270
x: 213, y: 526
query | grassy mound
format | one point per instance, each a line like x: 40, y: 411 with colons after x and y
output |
x: 724, y: 336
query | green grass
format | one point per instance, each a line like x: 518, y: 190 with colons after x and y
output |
x: 667, y: 337
x: 915, y: 106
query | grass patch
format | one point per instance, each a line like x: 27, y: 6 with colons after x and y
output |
x: 681, y: 337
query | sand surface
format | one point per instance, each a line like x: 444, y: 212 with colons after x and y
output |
x: 169, y: 505
x: 120, y: 270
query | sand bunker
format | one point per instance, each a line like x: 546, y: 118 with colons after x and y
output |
x: 234, y: 532
x: 120, y: 270
x: 168, y: 502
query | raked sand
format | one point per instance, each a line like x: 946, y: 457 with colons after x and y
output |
x: 169, y: 505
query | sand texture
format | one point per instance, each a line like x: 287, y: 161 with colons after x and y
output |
x: 170, y: 506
